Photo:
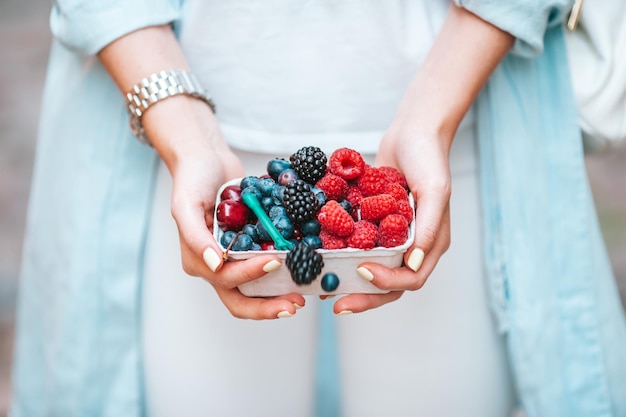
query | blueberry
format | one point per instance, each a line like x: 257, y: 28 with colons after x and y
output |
x: 243, y: 242
x: 278, y: 194
x: 267, y: 203
x: 249, y: 181
x: 250, y: 230
x: 285, y: 226
x: 346, y: 205
x: 312, y: 240
x: 252, y: 190
x: 256, y: 246
x: 311, y: 228
x: 330, y: 282
x: 287, y: 177
x: 265, y: 186
x: 277, y: 211
x: 321, y: 197
x: 227, y: 237
x: 262, y: 232
x: 276, y: 166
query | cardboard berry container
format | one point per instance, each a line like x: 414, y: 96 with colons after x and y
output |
x: 342, y: 262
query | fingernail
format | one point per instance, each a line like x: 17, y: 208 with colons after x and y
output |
x: 365, y: 273
x: 297, y: 306
x: 344, y: 312
x: 212, y: 259
x: 284, y: 314
x: 327, y: 297
x: 272, y: 265
x: 415, y: 259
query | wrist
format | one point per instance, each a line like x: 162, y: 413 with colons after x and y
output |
x: 182, y: 127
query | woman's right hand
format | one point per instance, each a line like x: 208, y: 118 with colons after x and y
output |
x: 200, y: 161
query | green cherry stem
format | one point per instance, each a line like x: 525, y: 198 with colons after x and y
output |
x: 253, y: 203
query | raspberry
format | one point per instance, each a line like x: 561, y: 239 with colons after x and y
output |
x: 395, y: 176
x: 396, y: 191
x: 364, y: 236
x: 330, y: 241
x: 394, y: 231
x: 354, y: 195
x: 335, y: 219
x: 404, y: 208
x: 334, y: 187
x: 309, y: 163
x: 346, y: 163
x: 372, y: 182
x: 375, y: 208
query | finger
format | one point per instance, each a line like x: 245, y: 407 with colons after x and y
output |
x: 244, y: 307
x: 432, y: 206
x: 404, y: 278
x: 358, y: 303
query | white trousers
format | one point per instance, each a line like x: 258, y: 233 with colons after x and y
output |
x: 433, y: 353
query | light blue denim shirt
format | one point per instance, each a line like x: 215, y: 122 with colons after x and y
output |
x: 550, y: 282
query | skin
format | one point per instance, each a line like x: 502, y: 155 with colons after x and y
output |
x: 186, y: 135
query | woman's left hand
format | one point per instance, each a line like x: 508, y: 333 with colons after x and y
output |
x: 423, y: 158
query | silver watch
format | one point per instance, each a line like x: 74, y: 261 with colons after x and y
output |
x: 158, y: 87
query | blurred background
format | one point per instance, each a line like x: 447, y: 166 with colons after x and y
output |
x: 24, y: 43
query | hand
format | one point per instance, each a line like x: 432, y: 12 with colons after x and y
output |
x: 423, y: 159
x: 199, y: 162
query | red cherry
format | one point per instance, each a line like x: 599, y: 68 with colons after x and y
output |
x: 232, y: 215
x: 268, y: 246
x: 232, y: 192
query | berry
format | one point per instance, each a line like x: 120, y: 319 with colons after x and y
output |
x: 393, y: 175
x: 346, y: 205
x: 372, y: 182
x: 313, y: 241
x: 321, y: 197
x: 249, y: 181
x: 311, y: 228
x: 267, y: 203
x: 253, y: 190
x: 364, y: 236
x: 354, y: 195
x: 278, y: 193
x: 376, y: 207
x: 284, y: 226
x: 287, y: 177
x: 250, y: 230
x: 330, y: 241
x: 346, y: 163
x: 300, y: 202
x: 256, y: 247
x: 333, y: 186
x: 232, y: 215
x: 335, y: 219
x: 396, y: 191
x: 226, y: 238
x: 265, y: 186
x: 267, y: 246
x: 277, y: 211
x: 276, y: 166
x: 404, y: 208
x: 310, y: 163
x: 262, y: 233
x: 304, y: 263
x: 243, y: 242
x: 394, y: 231
x: 330, y: 282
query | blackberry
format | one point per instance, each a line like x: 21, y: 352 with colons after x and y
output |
x: 309, y: 163
x: 300, y: 202
x: 304, y: 263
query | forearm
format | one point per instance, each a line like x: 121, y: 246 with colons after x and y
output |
x: 178, y: 126
x: 462, y: 58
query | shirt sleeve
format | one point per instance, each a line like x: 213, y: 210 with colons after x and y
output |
x: 526, y: 20
x: 87, y: 26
